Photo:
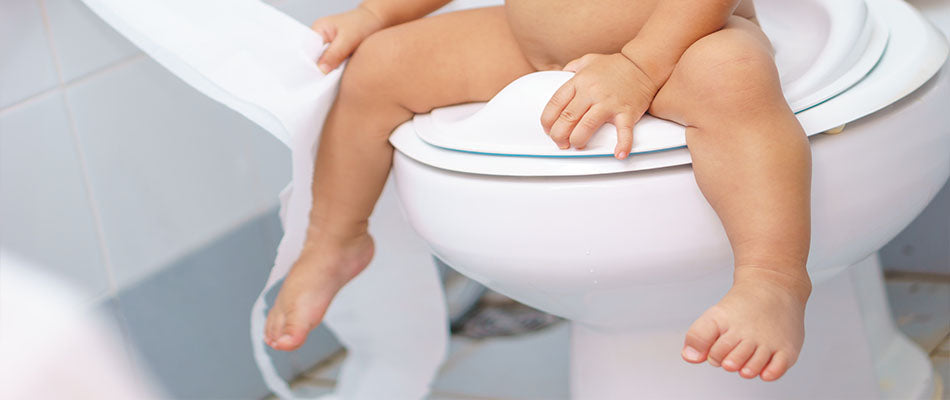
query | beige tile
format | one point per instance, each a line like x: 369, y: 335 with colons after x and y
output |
x: 944, y: 348
x: 942, y: 366
x: 529, y: 366
x: 921, y: 309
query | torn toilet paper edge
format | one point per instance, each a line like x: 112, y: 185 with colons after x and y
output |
x: 261, y: 63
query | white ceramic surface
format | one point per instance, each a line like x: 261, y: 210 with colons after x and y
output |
x: 615, y: 253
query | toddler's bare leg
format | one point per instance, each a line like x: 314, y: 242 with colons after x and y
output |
x: 752, y: 162
x: 410, y: 68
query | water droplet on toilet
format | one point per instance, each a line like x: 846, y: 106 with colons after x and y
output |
x: 595, y: 281
x: 587, y: 252
x: 592, y: 270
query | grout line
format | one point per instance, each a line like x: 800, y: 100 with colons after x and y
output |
x: 451, y: 360
x: 76, y: 81
x: 83, y: 168
x: 325, y: 365
x: 930, y: 277
x: 122, y: 62
x: 936, y: 350
x: 91, y: 198
x: 49, y: 40
x: 38, y: 97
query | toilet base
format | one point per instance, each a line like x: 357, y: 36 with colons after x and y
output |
x: 852, y: 351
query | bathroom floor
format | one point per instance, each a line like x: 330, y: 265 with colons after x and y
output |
x: 535, y: 365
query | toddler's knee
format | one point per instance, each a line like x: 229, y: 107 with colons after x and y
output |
x: 370, y: 70
x: 731, y: 70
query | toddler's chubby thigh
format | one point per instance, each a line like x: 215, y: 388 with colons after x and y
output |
x: 436, y: 61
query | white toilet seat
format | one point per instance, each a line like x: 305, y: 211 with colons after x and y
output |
x: 914, y: 52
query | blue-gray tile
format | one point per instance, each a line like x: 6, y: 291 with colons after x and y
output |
x: 272, y: 160
x: 307, y: 11
x: 44, y: 205
x: 190, y: 321
x: 921, y: 310
x: 168, y: 166
x: 27, y: 68
x: 924, y: 246
x: 82, y: 41
x: 531, y: 366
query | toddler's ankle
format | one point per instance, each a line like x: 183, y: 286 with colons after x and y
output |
x: 793, y: 279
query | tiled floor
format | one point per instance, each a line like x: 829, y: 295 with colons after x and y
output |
x: 535, y: 366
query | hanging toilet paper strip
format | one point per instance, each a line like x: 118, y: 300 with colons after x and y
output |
x: 261, y: 63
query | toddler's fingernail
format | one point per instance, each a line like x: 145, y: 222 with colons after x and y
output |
x: 729, y: 364
x: 324, y: 68
x: 692, y: 354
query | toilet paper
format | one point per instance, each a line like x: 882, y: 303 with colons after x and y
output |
x: 261, y: 63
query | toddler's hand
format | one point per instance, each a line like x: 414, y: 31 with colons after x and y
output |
x: 605, y: 88
x: 344, y: 32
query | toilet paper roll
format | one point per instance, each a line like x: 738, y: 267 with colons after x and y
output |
x: 261, y: 63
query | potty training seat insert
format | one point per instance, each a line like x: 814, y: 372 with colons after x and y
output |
x: 837, y: 47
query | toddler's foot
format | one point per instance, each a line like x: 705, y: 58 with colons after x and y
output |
x: 325, y: 265
x: 756, y: 329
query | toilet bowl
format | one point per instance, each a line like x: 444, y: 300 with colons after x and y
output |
x: 631, y: 253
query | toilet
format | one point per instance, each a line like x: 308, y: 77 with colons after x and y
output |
x: 631, y: 253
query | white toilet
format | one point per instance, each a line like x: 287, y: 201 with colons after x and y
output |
x: 631, y: 253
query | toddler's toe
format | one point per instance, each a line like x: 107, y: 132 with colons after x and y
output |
x: 292, y: 334
x: 700, y: 337
x: 275, y: 320
x: 777, y: 367
x: 738, y: 356
x: 756, y: 363
x: 723, y: 346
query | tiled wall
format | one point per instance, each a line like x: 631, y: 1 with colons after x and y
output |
x: 160, y: 202
x: 155, y: 200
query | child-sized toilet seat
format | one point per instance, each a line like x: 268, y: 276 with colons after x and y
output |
x: 872, y: 53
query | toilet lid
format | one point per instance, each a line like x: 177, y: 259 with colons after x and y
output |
x: 462, y: 138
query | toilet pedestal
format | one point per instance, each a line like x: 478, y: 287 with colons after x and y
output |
x: 852, y: 350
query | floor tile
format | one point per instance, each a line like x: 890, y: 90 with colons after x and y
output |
x: 168, y: 166
x: 27, y: 67
x: 922, y: 246
x: 944, y: 347
x: 530, y: 366
x: 190, y: 322
x: 83, y: 42
x: 921, y: 310
x: 306, y: 388
x: 942, y: 367
x: 44, y: 205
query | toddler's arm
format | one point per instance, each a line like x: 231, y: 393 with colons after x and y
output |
x: 346, y: 31
x: 671, y: 29
x: 394, y: 12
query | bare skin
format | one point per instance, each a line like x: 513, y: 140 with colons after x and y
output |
x: 750, y: 157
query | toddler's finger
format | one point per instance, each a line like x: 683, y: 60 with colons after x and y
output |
x: 592, y: 120
x: 338, y: 50
x: 567, y: 120
x: 556, y: 104
x: 578, y: 64
x: 624, y: 123
x: 323, y: 28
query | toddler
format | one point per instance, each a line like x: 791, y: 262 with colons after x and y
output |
x: 704, y: 64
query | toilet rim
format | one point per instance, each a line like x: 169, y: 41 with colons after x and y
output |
x: 915, y: 52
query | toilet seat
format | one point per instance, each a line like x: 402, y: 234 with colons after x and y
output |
x: 852, y: 85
